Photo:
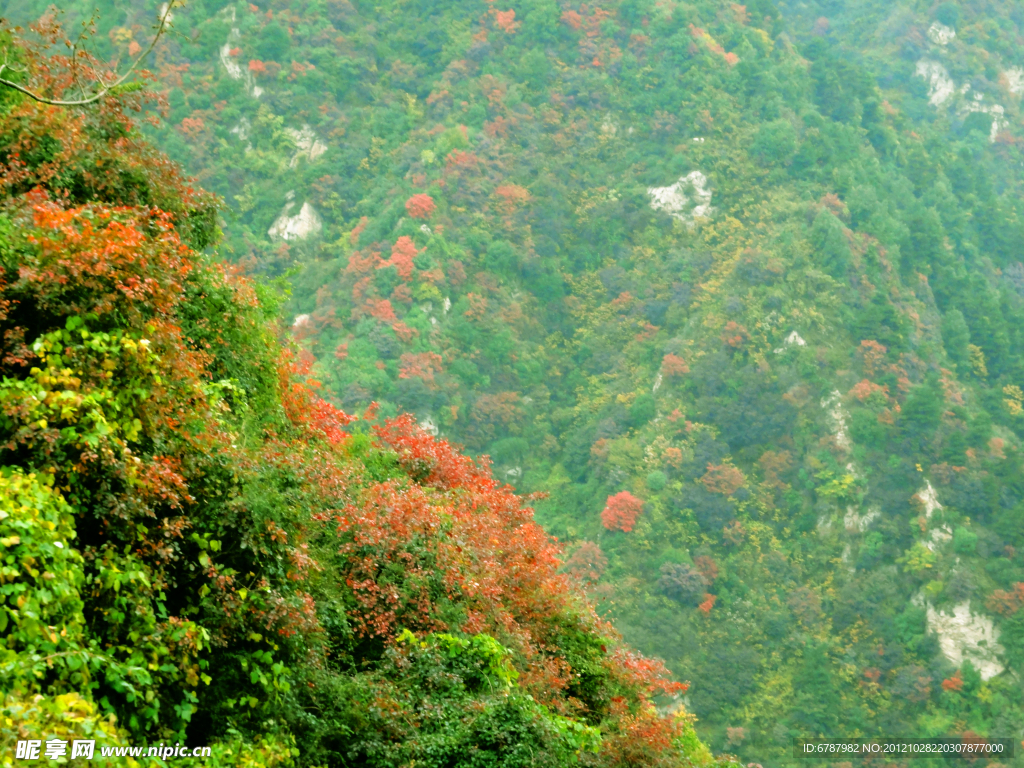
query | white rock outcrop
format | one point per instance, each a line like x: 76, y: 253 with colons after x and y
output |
x: 995, y: 111
x: 429, y: 426
x: 242, y: 129
x: 938, y: 536
x: 942, y: 91
x: 833, y: 407
x: 854, y: 522
x: 940, y: 34
x: 929, y: 500
x: 964, y: 636
x: 307, y: 144
x: 1015, y: 79
x: 940, y: 85
x: 242, y: 132
x: 232, y: 67
x: 298, y: 227
x: 686, y: 200
x: 793, y: 340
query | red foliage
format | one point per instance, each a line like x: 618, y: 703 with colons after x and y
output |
x: 106, y: 252
x: 640, y: 738
x: 382, y: 310
x: 587, y: 563
x: 505, y: 21
x: 862, y: 390
x: 360, y: 264
x: 706, y: 567
x: 512, y: 197
x: 404, y: 332
x: 192, y: 126
x: 402, y: 295
x: 674, y: 366
x: 723, y: 479
x: 954, y: 683
x: 420, y: 365
x: 98, y: 147
x: 257, y: 67
x: 1007, y: 603
x: 621, y: 512
x: 709, y: 603
x: 353, y: 236
x: 873, y: 354
x: 495, y: 413
x: 420, y: 206
x: 673, y: 457
x: 650, y: 671
x: 734, y: 334
x: 402, y: 254
x: 477, y: 306
x: 573, y: 19
x: 458, y: 160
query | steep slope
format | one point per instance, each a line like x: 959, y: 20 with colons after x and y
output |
x: 197, y: 548
x: 738, y: 286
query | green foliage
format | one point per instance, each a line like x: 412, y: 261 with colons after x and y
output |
x: 965, y: 541
x: 657, y: 480
x: 41, y: 615
x: 483, y: 647
x: 775, y: 143
x: 831, y: 249
x: 66, y: 717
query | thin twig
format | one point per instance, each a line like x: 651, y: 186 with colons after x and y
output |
x: 107, y: 88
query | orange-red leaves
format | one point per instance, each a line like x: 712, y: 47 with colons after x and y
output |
x: 97, y: 260
x: 402, y: 254
x: 954, y: 683
x: 420, y: 365
x: 587, y: 563
x: 621, y: 512
x: 866, y: 388
x: 709, y: 603
x: 674, y: 366
x: 723, y: 479
x: 420, y: 206
x: 1007, y: 602
x: 512, y: 197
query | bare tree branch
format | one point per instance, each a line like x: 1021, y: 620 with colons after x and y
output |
x: 106, y: 89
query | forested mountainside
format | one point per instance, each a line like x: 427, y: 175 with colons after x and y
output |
x: 738, y: 286
x: 198, y: 548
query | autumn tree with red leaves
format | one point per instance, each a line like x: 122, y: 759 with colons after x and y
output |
x: 621, y: 512
x: 420, y: 206
x: 674, y: 366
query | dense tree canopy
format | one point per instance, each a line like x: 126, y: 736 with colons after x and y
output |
x: 737, y: 286
x: 198, y: 547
